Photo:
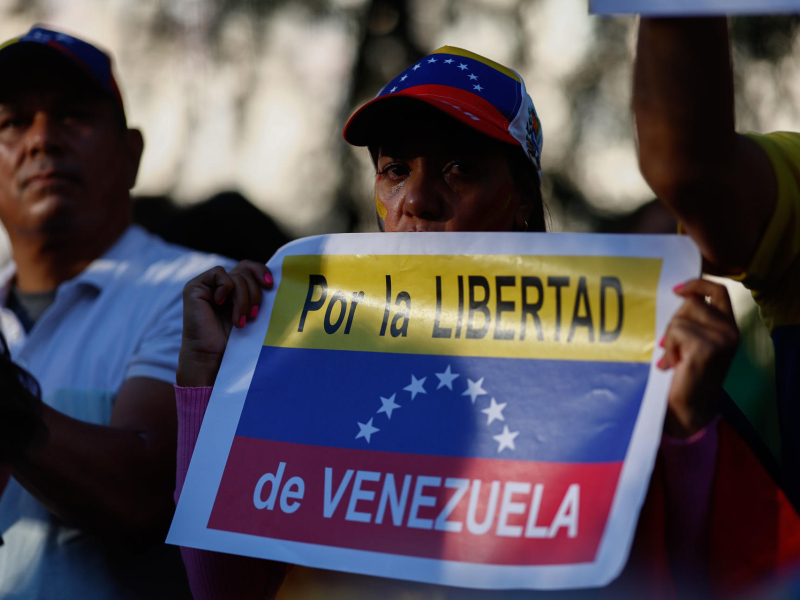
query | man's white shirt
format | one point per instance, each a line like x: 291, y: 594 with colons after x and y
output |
x: 118, y: 319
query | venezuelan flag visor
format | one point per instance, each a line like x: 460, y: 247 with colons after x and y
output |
x: 41, y: 44
x: 474, y: 90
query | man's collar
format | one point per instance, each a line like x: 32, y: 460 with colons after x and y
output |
x: 99, y: 272
x: 115, y: 260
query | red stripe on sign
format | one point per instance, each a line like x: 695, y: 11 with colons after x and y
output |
x: 461, y: 509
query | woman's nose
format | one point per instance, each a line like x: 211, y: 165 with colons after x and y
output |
x: 423, y: 199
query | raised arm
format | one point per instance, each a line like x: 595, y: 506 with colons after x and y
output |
x: 720, y: 184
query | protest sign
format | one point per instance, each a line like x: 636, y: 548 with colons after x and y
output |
x: 693, y: 7
x: 478, y: 410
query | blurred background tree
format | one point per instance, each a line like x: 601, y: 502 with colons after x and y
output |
x: 250, y: 96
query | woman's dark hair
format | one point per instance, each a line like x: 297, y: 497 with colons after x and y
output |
x: 20, y: 406
x: 526, y: 178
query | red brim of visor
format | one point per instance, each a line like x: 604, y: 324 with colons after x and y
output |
x: 469, y: 109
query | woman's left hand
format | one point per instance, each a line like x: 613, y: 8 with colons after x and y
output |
x: 700, y: 343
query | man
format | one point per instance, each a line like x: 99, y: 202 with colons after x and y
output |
x: 737, y: 195
x: 91, y: 307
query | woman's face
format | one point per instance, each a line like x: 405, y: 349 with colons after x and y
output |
x: 435, y: 174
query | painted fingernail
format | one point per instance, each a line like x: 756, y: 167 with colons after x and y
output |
x: 221, y: 302
x: 678, y: 287
x: 660, y: 364
x: 242, y: 321
x: 661, y: 343
x: 268, y: 279
x: 254, y: 312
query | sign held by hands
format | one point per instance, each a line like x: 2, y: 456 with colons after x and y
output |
x: 477, y: 410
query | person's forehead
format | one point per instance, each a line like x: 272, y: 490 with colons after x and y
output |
x: 435, y: 138
x: 45, y: 80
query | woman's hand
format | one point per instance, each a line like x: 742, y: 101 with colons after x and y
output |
x: 213, y: 303
x: 700, y: 343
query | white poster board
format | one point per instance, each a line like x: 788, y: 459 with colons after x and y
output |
x: 476, y: 410
x: 693, y: 7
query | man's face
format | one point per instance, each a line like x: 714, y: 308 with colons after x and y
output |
x: 66, y: 162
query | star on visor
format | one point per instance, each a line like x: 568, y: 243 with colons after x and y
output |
x: 416, y: 387
x: 366, y: 430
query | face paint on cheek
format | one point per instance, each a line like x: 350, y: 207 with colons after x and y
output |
x: 398, y: 187
x: 381, y: 210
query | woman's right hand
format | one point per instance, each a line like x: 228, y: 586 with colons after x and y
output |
x: 214, y: 303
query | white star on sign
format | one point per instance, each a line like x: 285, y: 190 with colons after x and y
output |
x: 494, y: 412
x: 432, y: 60
x: 416, y: 387
x: 415, y: 67
x: 446, y: 378
x: 404, y: 77
x: 472, y: 76
x: 505, y: 439
x: 474, y: 389
x: 462, y: 66
x: 366, y: 430
x: 394, y: 89
x: 477, y: 87
x: 449, y: 61
x: 389, y: 405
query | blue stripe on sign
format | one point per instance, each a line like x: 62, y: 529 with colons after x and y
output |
x: 564, y: 411
x: 477, y: 78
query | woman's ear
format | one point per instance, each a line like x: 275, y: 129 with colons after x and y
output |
x: 522, y: 215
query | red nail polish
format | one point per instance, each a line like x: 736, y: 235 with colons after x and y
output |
x: 661, y: 343
x: 678, y: 287
x: 242, y: 321
x: 221, y: 302
x: 254, y: 312
x: 268, y: 279
x: 660, y: 364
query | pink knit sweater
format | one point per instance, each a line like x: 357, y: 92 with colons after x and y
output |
x: 214, y: 575
x: 689, y: 466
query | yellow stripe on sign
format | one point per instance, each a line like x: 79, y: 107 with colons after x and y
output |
x: 556, y: 307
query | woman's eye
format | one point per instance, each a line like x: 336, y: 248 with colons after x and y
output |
x: 463, y: 168
x: 394, y: 170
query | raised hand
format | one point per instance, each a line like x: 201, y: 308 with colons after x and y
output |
x: 213, y: 304
x: 699, y: 344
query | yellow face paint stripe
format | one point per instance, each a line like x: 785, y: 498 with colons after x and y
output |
x: 467, y: 54
x: 382, y: 212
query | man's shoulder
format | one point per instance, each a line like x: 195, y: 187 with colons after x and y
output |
x: 144, y: 259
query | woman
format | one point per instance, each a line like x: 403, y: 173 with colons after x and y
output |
x: 456, y: 144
